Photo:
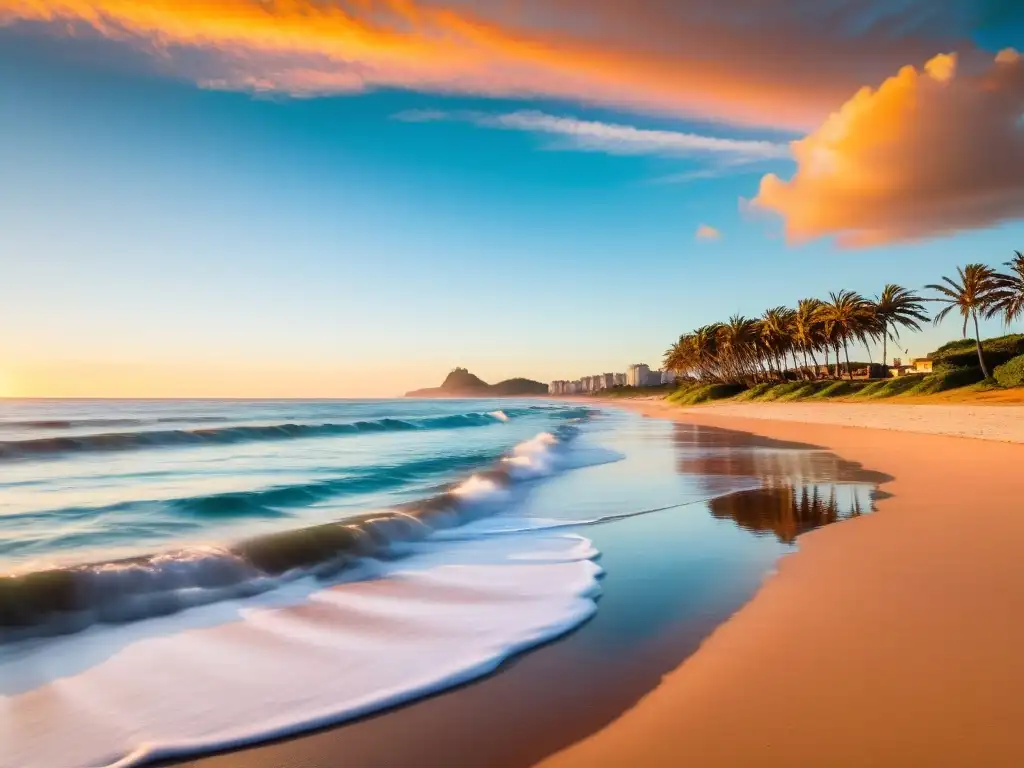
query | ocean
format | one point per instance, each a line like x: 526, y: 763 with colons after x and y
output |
x: 181, y: 576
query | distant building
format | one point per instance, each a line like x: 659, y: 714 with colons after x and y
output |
x: 620, y: 379
x: 922, y: 364
x: 637, y: 375
x: 560, y: 387
x: 653, y: 379
x: 668, y: 377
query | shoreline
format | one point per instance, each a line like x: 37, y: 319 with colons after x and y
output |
x: 902, y: 628
x: 889, y: 640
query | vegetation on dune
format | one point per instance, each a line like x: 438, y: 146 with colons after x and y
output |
x: 962, y: 354
x: 804, y: 353
x: 838, y: 389
x: 704, y: 393
x: 892, y: 387
x: 1010, y: 374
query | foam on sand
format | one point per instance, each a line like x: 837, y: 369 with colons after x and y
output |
x: 232, y: 673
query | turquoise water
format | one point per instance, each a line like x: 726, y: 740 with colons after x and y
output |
x: 190, y: 575
x: 90, y: 480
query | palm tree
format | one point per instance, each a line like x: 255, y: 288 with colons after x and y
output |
x: 775, y: 338
x: 973, y: 294
x: 737, y: 346
x: 807, y: 331
x: 897, y: 307
x: 1008, y: 294
x: 847, y: 315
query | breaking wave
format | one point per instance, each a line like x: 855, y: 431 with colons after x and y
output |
x: 64, y: 600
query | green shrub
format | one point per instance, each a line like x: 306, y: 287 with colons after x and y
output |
x: 872, y: 389
x: 945, y: 379
x: 963, y: 353
x: 899, y: 386
x: 807, y: 389
x: 754, y: 392
x: 683, y: 390
x: 781, y: 390
x: 840, y: 389
x: 708, y: 392
x: 1010, y: 374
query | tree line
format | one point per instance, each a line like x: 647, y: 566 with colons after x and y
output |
x: 787, y: 341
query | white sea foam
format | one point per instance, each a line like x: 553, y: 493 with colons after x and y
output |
x: 499, y: 415
x: 306, y: 654
x: 302, y: 656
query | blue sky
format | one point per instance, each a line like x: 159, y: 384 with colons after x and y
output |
x: 165, y: 239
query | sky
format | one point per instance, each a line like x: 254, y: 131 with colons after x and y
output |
x: 289, y: 198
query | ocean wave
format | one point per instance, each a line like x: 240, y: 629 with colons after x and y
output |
x: 76, y: 423
x: 127, y: 441
x: 69, y: 599
x: 274, y: 501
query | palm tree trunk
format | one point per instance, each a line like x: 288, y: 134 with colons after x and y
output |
x: 807, y: 367
x: 977, y: 338
x: 885, y: 347
x: 815, y: 361
x: 826, y: 361
x: 846, y: 351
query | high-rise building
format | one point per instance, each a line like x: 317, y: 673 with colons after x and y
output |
x: 637, y: 375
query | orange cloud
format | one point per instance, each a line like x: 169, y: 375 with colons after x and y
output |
x: 706, y: 232
x: 926, y: 154
x: 783, y: 63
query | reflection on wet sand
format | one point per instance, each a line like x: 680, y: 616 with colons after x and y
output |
x: 788, y: 511
x: 802, y: 486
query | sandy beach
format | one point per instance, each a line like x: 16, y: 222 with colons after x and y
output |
x: 889, y: 640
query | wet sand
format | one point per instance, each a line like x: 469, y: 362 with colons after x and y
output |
x: 890, y: 640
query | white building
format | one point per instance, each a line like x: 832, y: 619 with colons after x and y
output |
x: 668, y: 377
x: 560, y: 387
x: 637, y: 375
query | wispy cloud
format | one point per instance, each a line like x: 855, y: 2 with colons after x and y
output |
x: 707, y: 232
x: 610, y: 138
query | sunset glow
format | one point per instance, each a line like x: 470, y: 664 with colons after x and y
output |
x: 316, y: 198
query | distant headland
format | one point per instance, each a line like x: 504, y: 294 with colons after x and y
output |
x: 461, y: 383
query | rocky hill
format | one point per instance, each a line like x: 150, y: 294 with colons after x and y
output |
x: 461, y: 383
